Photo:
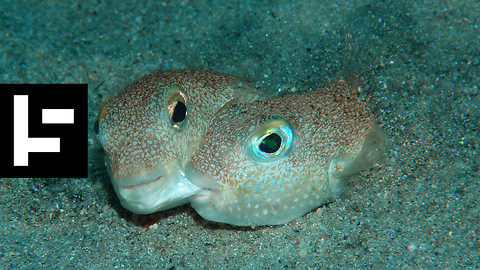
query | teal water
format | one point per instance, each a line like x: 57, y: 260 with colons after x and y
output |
x: 420, y: 61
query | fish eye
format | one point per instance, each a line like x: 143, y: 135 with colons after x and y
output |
x: 179, y: 112
x: 177, y: 108
x: 271, y: 142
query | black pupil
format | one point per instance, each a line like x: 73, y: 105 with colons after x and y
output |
x: 179, y: 112
x: 271, y: 143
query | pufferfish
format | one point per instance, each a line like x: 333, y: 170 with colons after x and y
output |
x: 154, y: 126
x: 271, y: 161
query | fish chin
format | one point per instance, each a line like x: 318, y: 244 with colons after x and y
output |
x: 155, y: 191
x: 220, y: 206
x: 211, y: 205
x: 272, y: 206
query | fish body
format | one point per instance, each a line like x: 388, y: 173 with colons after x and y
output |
x: 154, y: 126
x: 273, y: 160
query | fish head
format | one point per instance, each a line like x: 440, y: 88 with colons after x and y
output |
x: 152, y: 128
x: 270, y: 161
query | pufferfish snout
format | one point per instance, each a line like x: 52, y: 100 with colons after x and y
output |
x: 271, y: 161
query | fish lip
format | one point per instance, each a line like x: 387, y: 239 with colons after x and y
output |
x: 153, y: 191
x: 144, y: 177
x: 141, y: 192
x: 143, y: 183
x: 139, y: 197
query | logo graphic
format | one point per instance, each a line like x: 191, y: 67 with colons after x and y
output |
x: 45, y: 132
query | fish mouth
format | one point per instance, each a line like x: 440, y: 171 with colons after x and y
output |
x: 150, y: 192
x: 199, y: 179
x: 143, y: 184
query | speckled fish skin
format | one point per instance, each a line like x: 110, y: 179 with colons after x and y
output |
x: 145, y: 154
x: 330, y: 129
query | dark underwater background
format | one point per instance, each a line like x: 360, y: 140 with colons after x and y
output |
x: 420, y: 61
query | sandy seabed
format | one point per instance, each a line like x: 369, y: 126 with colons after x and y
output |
x: 420, y: 61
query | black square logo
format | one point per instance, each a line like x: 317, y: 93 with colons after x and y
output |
x: 45, y: 130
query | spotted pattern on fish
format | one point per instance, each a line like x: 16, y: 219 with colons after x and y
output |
x: 329, y: 128
x: 145, y: 150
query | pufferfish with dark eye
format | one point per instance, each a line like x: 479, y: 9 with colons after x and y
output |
x: 154, y: 126
x: 271, y: 161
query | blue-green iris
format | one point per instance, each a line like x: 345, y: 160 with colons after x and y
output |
x: 271, y: 142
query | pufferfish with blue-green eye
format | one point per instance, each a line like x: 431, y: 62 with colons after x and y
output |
x: 152, y: 128
x: 271, y: 161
